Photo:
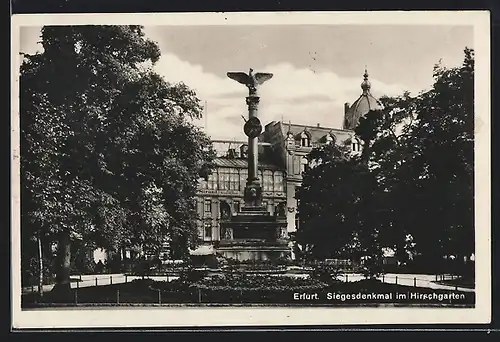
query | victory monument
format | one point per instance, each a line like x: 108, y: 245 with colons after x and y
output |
x: 253, y: 233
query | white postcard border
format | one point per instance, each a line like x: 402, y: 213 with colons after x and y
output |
x: 259, y: 316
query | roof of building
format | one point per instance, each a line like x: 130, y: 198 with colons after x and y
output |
x: 242, y: 163
x: 316, y: 133
x: 362, y: 105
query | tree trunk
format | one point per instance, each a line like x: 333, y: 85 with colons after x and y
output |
x: 63, y: 283
x: 40, y: 266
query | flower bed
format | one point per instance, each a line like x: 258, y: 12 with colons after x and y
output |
x: 242, y: 288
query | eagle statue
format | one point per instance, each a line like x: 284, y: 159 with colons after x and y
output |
x: 251, y: 80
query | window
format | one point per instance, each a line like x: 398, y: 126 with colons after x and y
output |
x: 305, y: 140
x: 264, y: 204
x: 268, y: 181
x: 234, y: 179
x: 259, y: 174
x: 212, y: 181
x: 278, y: 181
x: 208, y: 231
x: 297, y: 221
x: 297, y: 199
x: 356, y: 146
x: 236, y: 206
x: 208, y: 206
x: 304, y: 164
x: 224, y: 179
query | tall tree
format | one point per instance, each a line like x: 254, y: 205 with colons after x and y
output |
x: 412, y: 186
x: 108, y: 153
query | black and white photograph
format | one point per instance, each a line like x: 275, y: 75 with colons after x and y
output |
x: 229, y: 169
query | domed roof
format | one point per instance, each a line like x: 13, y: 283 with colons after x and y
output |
x: 361, y: 106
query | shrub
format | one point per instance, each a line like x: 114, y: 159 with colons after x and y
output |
x: 325, y: 273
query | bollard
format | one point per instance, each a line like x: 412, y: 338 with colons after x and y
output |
x: 95, y: 281
x: 415, y: 282
x: 117, y: 296
x: 111, y: 280
x: 159, y: 297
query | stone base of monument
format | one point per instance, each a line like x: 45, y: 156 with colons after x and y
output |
x: 254, y: 234
x: 243, y: 250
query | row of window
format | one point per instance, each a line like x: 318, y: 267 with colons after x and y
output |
x: 208, y: 206
x: 235, y: 179
x: 305, y: 141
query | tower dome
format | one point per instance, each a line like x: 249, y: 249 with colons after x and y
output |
x: 361, y: 106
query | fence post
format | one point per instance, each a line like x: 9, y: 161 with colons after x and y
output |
x: 117, y: 296
x: 125, y: 278
x: 80, y: 277
x: 95, y: 281
x: 383, y: 278
x: 415, y: 282
x: 396, y: 280
x: 346, y: 278
x: 159, y: 296
x: 110, y: 280
x: 199, y: 295
x: 76, y: 296
x: 78, y: 284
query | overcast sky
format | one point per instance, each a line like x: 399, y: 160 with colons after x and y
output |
x: 317, y: 68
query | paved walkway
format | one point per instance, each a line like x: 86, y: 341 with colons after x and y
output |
x: 418, y: 280
x: 98, y: 280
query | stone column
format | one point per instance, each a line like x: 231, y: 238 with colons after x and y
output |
x: 253, y: 152
x: 252, y: 128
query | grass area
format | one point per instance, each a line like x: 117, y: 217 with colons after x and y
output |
x: 148, y: 292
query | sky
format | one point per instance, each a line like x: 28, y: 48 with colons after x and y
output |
x: 316, y: 68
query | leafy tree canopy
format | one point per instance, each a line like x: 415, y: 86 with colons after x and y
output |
x: 108, y: 150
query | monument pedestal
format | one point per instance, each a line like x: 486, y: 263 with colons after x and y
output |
x: 254, y: 234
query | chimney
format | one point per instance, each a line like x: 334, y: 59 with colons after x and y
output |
x: 231, y: 153
x: 244, y: 151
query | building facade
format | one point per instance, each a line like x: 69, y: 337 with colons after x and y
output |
x: 283, y: 148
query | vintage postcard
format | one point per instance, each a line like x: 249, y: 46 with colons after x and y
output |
x: 250, y: 169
